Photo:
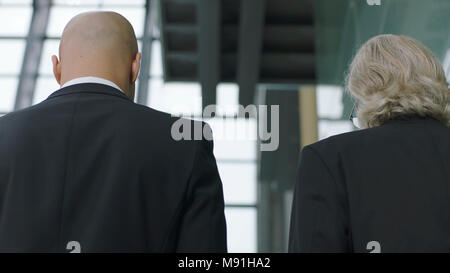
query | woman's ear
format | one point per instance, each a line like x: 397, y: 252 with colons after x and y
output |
x: 56, y: 69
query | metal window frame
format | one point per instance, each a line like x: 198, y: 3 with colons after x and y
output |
x: 147, y: 41
x: 32, y: 55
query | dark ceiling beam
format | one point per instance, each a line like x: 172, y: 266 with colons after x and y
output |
x: 183, y: 28
x: 162, y: 37
x: 179, y: 1
x: 209, y: 48
x: 249, y: 48
x: 144, y: 75
x: 32, y: 56
x: 182, y: 56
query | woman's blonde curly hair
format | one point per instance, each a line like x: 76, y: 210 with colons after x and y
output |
x: 394, y: 76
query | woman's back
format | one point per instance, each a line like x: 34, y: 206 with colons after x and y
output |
x: 384, y: 189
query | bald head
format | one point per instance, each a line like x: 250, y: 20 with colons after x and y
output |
x: 99, y: 44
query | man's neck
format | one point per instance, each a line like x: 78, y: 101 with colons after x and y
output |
x: 91, y: 79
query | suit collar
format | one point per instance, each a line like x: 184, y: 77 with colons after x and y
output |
x: 91, y: 79
x: 95, y: 88
x: 411, y: 118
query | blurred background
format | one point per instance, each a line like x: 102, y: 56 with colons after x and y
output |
x: 292, y: 53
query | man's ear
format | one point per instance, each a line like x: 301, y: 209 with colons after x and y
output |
x: 56, y: 69
x: 135, y: 67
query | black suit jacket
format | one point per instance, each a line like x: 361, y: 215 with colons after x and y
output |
x: 381, y: 189
x: 88, y: 165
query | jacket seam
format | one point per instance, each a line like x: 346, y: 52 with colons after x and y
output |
x: 90, y: 92
x: 185, y: 197
x: 66, y: 171
x: 350, y: 243
x: 440, y: 156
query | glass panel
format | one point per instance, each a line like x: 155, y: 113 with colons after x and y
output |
x: 18, y: 17
x: 136, y: 90
x: 329, y: 101
x: 175, y: 98
x: 51, y: 47
x: 8, y: 88
x: 241, y: 230
x: 140, y: 45
x: 446, y: 64
x: 330, y: 128
x: 239, y: 182
x: 16, y: 2
x: 156, y: 61
x: 234, y: 128
x: 136, y: 16
x: 99, y: 2
x: 239, y: 149
x: 124, y: 2
x: 44, y: 87
x: 234, y: 138
x: 76, y: 2
x: 60, y: 16
x: 227, y: 98
x: 11, y: 56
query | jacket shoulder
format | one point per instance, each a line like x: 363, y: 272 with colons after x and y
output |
x: 339, y: 142
x: 16, y: 117
x: 170, y: 119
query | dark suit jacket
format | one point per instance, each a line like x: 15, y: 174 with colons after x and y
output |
x: 381, y: 189
x: 89, y: 165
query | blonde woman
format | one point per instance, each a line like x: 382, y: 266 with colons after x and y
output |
x: 385, y: 188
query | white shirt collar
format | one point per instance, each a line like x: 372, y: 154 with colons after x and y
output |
x: 91, y: 80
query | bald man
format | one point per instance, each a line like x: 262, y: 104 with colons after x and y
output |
x: 88, y: 170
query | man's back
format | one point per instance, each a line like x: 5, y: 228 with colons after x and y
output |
x: 90, y: 166
x: 386, y: 188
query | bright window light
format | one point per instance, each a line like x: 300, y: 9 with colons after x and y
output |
x: 239, y: 182
x: 175, y: 98
x: 99, y: 2
x: 16, y: 2
x: 156, y: 60
x: 241, y: 229
x: 15, y: 21
x: 227, y: 98
x: 11, y: 56
x: 446, y: 64
x: 8, y: 87
x: 330, y: 128
x: 329, y: 101
x: 234, y: 138
x: 51, y: 47
x: 45, y: 86
x: 61, y: 15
